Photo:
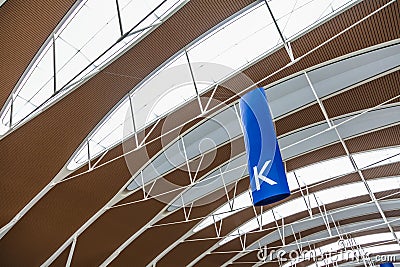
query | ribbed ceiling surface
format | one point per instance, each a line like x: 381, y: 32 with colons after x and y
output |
x: 90, y: 219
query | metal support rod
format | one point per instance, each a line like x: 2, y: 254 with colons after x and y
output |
x: 217, y: 229
x: 281, y: 235
x: 194, y: 81
x: 119, y: 18
x: 371, y: 194
x: 148, y: 134
x: 255, y: 213
x: 318, y: 100
x: 285, y: 43
x: 308, y: 205
x: 11, y: 110
x: 324, y: 216
x: 143, y: 187
x: 211, y: 97
x: 71, y: 252
x: 187, y: 161
x: 226, y: 190
x: 54, y: 66
x: 88, y: 153
x: 133, y: 119
x: 198, y: 167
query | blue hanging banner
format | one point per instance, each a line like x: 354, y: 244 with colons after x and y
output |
x: 386, y: 264
x: 268, y: 180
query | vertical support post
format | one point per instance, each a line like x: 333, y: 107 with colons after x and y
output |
x: 286, y: 44
x: 11, y: 110
x: 194, y: 82
x: 119, y: 18
x: 88, y: 152
x: 133, y: 119
x: 143, y: 188
x: 54, y: 66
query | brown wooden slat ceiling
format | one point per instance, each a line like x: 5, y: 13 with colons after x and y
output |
x: 44, y: 144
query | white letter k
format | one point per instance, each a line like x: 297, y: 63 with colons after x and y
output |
x: 261, y: 176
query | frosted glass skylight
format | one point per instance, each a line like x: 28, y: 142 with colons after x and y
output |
x: 293, y: 16
x: 233, y: 44
x: 324, y: 197
x: 370, y: 159
x: 90, y: 30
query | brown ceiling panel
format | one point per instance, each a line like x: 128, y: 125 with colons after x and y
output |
x: 25, y: 25
x: 383, y: 138
x: 306, y: 116
x: 214, y: 259
x: 372, y: 94
x: 387, y: 170
x: 44, y: 143
x: 60, y: 213
x: 365, y: 37
x: 325, y: 153
x: 108, y: 231
x: 115, y: 226
x: 166, y: 233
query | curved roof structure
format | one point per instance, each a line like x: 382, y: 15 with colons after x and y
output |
x: 122, y: 142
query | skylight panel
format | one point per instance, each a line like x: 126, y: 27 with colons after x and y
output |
x: 292, y: 182
x: 239, y: 202
x: 377, y: 157
x: 294, y: 16
x: 148, y: 100
x: 91, y: 29
x: 297, y: 205
x: 24, y: 108
x: 379, y: 185
x: 241, y: 41
x: 132, y: 12
x: 324, y: 170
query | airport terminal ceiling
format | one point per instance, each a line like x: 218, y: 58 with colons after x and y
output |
x: 122, y: 141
